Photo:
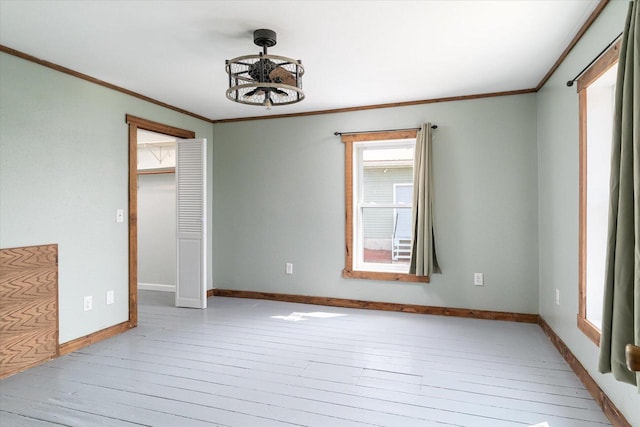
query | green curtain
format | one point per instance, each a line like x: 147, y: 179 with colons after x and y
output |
x: 621, y: 309
x: 423, y: 251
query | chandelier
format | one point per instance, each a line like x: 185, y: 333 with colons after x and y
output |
x: 264, y: 79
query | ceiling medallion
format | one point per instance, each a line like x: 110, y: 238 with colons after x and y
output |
x: 265, y: 79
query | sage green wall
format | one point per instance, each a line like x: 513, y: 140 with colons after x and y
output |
x: 558, y: 200
x: 279, y: 197
x: 63, y: 174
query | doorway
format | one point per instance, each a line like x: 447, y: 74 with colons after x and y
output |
x: 156, y: 216
x: 136, y: 124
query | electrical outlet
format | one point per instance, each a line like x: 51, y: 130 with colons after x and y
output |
x: 88, y: 303
x: 288, y: 268
x: 478, y: 279
x: 557, y: 296
x: 110, y: 297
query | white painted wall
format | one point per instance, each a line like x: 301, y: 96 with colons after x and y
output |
x: 558, y: 204
x: 279, y: 197
x: 157, y: 230
x: 63, y: 174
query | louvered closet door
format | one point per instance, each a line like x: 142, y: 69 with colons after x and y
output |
x: 191, y: 160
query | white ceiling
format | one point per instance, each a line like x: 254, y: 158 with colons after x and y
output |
x: 355, y: 53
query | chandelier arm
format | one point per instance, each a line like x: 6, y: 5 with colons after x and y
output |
x: 240, y: 72
x: 248, y: 64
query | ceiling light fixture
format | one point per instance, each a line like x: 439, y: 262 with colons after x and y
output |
x: 264, y: 79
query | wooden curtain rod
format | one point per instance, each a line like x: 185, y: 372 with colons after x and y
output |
x: 570, y: 82
x: 376, y: 131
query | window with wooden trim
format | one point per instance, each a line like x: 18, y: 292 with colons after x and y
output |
x: 596, y: 89
x: 379, y: 193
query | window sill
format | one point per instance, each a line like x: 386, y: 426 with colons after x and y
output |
x: 377, y: 275
x: 589, y: 330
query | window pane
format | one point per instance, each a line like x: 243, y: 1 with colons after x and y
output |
x: 386, y: 193
x: 386, y: 236
x: 600, y: 110
x: 381, y: 190
x: 384, y: 169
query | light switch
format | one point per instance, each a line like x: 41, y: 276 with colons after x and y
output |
x: 120, y: 215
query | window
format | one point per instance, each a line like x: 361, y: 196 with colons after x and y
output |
x: 596, y: 99
x: 379, y: 193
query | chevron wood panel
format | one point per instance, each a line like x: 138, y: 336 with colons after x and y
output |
x: 28, y: 257
x: 28, y: 316
x: 21, y: 351
x: 35, y: 284
x: 28, y: 307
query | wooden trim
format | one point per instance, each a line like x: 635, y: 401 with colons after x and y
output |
x: 601, y: 66
x: 210, y: 293
x: 583, y: 324
x: 348, y: 140
x: 348, y: 204
x: 133, y: 224
x: 582, y: 208
x: 136, y: 123
x: 379, y: 136
x: 604, y: 63
x: 378, y: 106
x: 610, y: 410
x: 159, y: 127
x: 99, y: 82
x: 94, y: 337
x: 156, y: 171
x: 386, y: 276
x: 57, y: 301
x: 384, y: 306
x: 592, y: 18
x: 589, y: 329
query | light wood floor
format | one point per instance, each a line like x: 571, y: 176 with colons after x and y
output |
x: 262, y: 363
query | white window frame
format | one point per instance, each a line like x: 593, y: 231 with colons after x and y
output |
x: 359, y: 205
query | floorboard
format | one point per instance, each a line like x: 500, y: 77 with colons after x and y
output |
x: 251, y: 363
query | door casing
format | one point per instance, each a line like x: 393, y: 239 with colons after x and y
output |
x: 136, y: 123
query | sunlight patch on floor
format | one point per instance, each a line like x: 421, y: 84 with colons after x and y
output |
x: 297, y: 316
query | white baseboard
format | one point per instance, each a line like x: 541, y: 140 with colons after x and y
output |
x: 156, y: 287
